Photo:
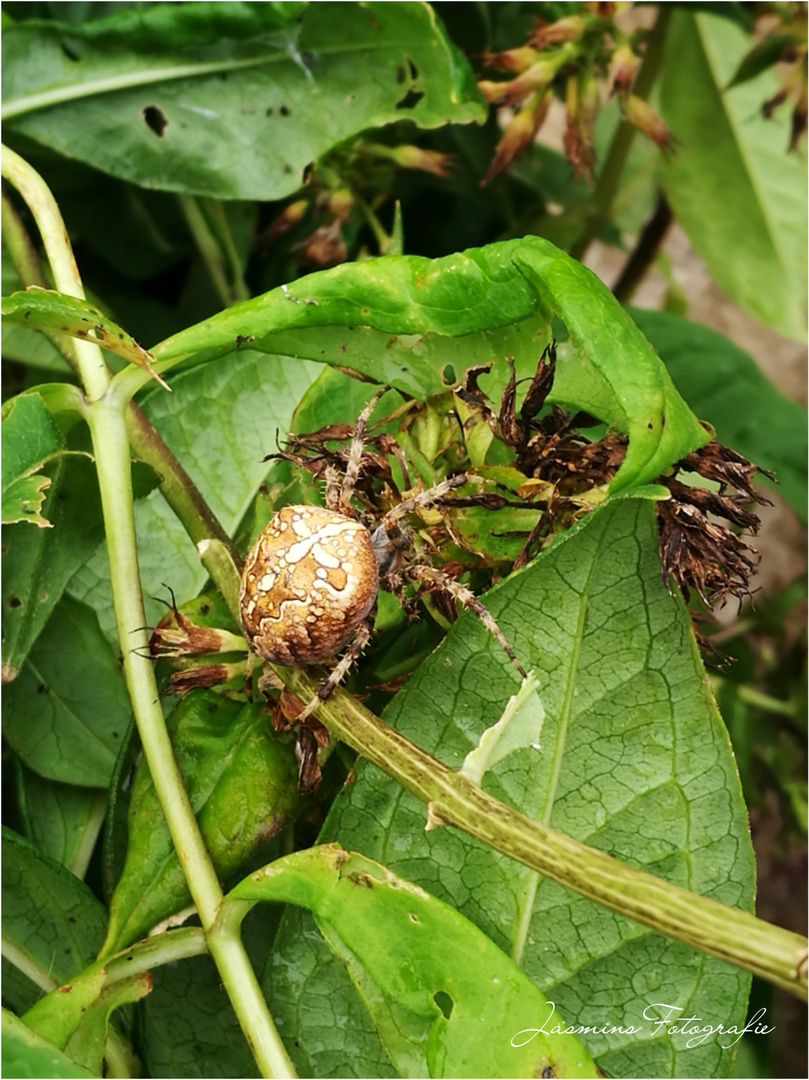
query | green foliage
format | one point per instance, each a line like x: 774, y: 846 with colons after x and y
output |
x: 293, y: 206
x: 723, y: 382
x: 623, y: 749
x: 435, y: 1010
x: 196, y: 95
x: 735, y: 184
x: 241, y: 782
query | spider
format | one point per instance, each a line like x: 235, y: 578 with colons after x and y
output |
x: 310, y: 583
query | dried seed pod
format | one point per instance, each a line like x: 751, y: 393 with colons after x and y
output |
x: 307, y: 585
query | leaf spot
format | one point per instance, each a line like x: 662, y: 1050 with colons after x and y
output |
x: 444, y: 1003
x: 14, y: 601
x: 410, y: 100
x: 155, y: 119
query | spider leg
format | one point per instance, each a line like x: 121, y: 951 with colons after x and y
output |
x: 432, y: 578
x: 340, y: 670
x: 426, y: 498
x: 355, y: 455
x: 332, y: 492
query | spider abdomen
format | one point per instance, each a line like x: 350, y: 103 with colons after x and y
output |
x: 307, y: 584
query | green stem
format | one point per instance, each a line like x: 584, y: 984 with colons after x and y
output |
x: 20, y: 248
x: 26, y: 262
x: 609, y: 177
x: 108, y: 428
x: 106, y: 417
x: 765, y: 701
x: 726, y: 932
x: 382, y: 239
x: 176, y: 486
x: 111, y: 447
x: 216, y: 217
x: 208, y: 247
x: 89, y: 360
x: 94, y: 825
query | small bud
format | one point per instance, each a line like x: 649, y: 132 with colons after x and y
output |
x: 640, y: 114
x: 511, y: 59
x: 415, y: 157
x: 340, y: 203
x: 176, y: 635
x: 323, y: 247
x: 583, y: 105
x: 193, y: 678
x: 570, y: 28
x: 519, y: 134
x: 533, y: 81
x: 624, y: 64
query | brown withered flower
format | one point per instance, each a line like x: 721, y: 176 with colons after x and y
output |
x: 699, y: 548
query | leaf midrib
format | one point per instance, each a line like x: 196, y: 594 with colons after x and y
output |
x: 565, y: 712
x: 146, y: 77
x: 744, y: 155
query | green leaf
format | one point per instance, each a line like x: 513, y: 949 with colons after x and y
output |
x: 724, y: 384
x: 87, y: 1043
x: 26, y: 1054
x: 33, y: 348
x: 22, y: 345
x: 242, y: 782
x: 734, y: 188
x: 195, y: 94
x: 187, y: 1026
x: 765, y: 54
x: 38, y: 563
x: 614, y: 372
x: 30, y: 438
x: 634, y: 760
x: 61, y: 819
x: 68, y: 712
x: 451, y: 1011
x: 401, y: 320
x: 53, y: 926
x: 45, y: 309
x: 245, y: 409
x: 397, y: 319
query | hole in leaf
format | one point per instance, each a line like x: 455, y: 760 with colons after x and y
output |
x: 414, y: 71
x: 410, y: 100
x: 14, y: 601
x: 284, y: 110
x: 400, y: 74
x: 72, y: 48
x: 448, y: 375
x: 444, y: 1003
x: 155, y: 119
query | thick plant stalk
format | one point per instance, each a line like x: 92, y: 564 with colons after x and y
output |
x: 106, y: 417
x: 725, y: 932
